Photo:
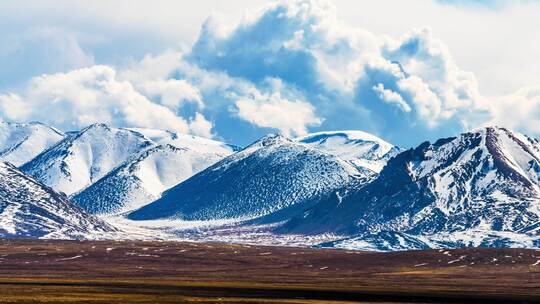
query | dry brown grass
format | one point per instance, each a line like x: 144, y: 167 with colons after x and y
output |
x: 173, y: 272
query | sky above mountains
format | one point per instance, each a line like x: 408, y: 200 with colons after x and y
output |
x: 236, y: 70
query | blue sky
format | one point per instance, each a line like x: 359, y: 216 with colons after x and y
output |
x: 237, y: 70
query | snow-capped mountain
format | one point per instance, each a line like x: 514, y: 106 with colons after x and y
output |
x: 362, y: 149
x: 84, y: 157
x: 30, y: 209
x: 481, y: 188
x: 472, y: 189
x: 273, y: 174
x: 143, y: 178
x: 21, y: 142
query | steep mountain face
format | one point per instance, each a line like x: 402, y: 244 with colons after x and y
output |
x: 30, y: 209
x: 480, y: 185
x: 84, y: 157
x: 360, y: 148
x: 143, y: 178
x: 273, y: 174
x: 21, y: 142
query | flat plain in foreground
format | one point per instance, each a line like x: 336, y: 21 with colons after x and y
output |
x: 182, y: 272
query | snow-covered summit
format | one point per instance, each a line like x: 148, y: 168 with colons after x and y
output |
x: 349, y: 135
x: 21, y: 142
x: 86, y: 156
x: 360, y: 148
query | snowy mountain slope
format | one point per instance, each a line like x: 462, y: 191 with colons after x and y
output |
x: 30, y: 209
x: 398, y: 241
x: 272, y: 174
x: 144, y: 177
x: 191, y: 142
x: 362, y: 149
x: 84, y: 157
x: 21, y: 142
x: 478, y: 185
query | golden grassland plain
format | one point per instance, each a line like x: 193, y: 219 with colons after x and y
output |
x: 183, y: 272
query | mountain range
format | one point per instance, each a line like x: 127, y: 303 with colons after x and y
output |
x: 480, y: 188
x: 271, y: 175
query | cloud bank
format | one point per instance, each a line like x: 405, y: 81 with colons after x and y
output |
x: 291, y: 67
x: 393, y: 87
x: 90, y: 95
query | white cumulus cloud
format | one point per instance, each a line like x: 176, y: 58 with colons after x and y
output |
x: 274, y: 111
x: 173, y: 92
x: 294, y: 66
x: 519, y: 111
x: 200, y: 126
x: 89, y: 95
x: 391, y: 97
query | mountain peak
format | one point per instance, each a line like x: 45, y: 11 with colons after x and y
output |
x: 272, y: 139
x: 81, y: 159
x: 21, y: 142
x: 348, y: 134
x: 96, y: 126
x: 362, y: 149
